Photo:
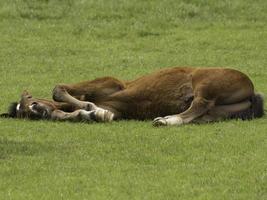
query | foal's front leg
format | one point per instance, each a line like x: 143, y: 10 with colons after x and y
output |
x: 82, y: 94
x: 99, y: 115
x: 66, y: 93
x: 63, y: 93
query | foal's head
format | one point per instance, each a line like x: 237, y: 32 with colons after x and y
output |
x: 31, y: 108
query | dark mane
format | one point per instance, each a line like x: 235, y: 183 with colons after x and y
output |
x: 12, y: 110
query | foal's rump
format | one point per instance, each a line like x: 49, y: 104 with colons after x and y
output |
x: 231, y: 91
x: 245, y: 110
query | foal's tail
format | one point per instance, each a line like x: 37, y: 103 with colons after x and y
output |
x: 256, y: 110
x: 257, y: 107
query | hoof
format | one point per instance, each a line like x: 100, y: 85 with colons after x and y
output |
x: 159, y: 121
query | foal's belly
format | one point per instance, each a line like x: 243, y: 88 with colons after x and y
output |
x: 164, y: 93
x: 148, y: 104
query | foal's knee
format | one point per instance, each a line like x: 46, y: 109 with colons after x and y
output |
x: 202, y: 103
x: 58, y: 92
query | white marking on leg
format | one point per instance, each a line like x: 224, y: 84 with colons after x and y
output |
x: 100, y: 115
x: 174, y: 120
x: 168, y: 120
x: 104, y: 115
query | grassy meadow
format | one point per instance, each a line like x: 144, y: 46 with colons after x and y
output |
x: 45, y: 42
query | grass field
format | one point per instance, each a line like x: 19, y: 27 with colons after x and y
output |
x: 44, y: 42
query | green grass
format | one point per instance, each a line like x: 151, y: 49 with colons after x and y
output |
x: 52, y: 41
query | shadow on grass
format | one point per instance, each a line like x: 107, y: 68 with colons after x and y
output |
x: 42, y: 10
x: 10, y: 148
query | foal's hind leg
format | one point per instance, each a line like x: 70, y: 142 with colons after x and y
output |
x: 199, y: 106
x: 221, y: 87
x: 222, y: 112
x: 210, y: 113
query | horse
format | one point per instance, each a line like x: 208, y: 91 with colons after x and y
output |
x: 170, y: 96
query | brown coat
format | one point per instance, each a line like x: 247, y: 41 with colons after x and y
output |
x: 173, y: 96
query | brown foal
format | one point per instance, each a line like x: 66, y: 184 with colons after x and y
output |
x: 172, y: 96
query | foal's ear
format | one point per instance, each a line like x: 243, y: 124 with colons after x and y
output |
x: 26, y: 94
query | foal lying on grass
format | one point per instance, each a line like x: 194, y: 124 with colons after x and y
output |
x: 171, y: 96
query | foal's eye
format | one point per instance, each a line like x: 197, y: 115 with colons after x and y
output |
x: 34, y: 103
